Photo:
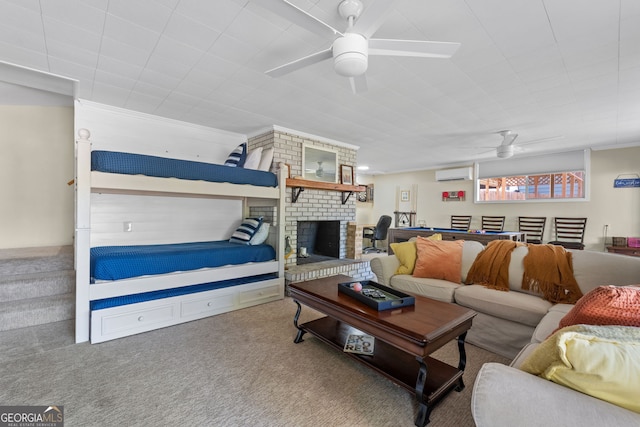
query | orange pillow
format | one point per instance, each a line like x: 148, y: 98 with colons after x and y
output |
x: 439, y: 259
x: 606, y: 305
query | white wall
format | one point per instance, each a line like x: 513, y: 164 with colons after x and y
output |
x: 36, y: 164
x: 617, y: 207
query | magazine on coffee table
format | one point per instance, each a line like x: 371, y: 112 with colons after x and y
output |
x: 360, y: 344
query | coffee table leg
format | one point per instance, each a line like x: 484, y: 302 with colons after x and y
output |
x: 301, y: 331
x: 463, y: 359
x: 422, y: 418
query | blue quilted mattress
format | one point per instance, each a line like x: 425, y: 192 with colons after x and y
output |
x: 166, y: 293
x: 139, y: 164
x: 122, y: 262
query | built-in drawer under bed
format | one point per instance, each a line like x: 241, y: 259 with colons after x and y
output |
x: 167, y: 293
x: 123, y: 262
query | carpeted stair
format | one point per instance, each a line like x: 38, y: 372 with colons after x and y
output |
x: 37, y: 286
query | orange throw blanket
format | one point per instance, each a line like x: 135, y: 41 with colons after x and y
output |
x: 491, y: 266
x: 548, y: 269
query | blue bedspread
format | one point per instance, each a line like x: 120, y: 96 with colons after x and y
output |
x: 139, y: 164
x: 122, y: 262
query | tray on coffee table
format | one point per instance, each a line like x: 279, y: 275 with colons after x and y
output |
x: 377, y: 296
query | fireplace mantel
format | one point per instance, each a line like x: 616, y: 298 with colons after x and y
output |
x: 299, y: 185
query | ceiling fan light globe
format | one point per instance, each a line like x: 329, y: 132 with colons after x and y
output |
x: 504, y: 151
x: 350, y: 55
x: 351, y: 64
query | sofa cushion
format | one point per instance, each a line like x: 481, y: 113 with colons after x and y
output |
x: 549, y: 322
x: 606, y: 305
x: 470, y: 251
x: 515, y: 306
x: 516, y: 270
x: 589, y: 272
x: 601, y: 361
x: 441, y: 290
x: 407, y: 253
x: 439, y: 259
x: 523, y: 354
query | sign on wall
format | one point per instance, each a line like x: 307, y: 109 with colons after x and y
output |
x: 457, y: 196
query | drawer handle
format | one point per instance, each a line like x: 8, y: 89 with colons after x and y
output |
x: 209, y: 304
x: 140, y: 319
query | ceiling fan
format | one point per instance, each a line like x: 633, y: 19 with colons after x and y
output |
x: 350, y: 49
x: 508, y: 147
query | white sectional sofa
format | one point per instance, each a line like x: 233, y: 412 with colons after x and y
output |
x: 513, y: 324
x: 506, y: 320
x: 555, y: 405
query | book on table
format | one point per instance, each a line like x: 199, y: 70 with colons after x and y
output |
x: 359, y: 344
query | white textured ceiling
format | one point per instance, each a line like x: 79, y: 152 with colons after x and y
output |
x: 567, y: 71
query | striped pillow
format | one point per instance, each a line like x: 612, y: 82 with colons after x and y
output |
x: 246, y: 231
x: 237, y: 157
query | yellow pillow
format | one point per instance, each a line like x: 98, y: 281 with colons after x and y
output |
x: 601, y: 361
x: 407, y: 254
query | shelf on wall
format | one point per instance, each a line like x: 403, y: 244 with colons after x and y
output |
x: 299, y: 185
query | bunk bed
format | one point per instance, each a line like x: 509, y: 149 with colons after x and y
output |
x: 123, y: 290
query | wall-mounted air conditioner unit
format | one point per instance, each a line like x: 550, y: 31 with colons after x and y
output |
x: 454, y: 174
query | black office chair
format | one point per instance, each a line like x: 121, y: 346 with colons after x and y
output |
x: 569, y: 232
x: 379, y: 232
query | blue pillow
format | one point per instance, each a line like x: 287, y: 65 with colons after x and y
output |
x: 246, y: 231
x: 237, y: 157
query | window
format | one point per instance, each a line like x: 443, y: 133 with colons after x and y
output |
x: 551, y: 177
x: 565, y: 185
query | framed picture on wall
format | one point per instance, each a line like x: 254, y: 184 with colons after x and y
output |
x: 346, y: 174
x: 319, y: 164
x: 404, y: 196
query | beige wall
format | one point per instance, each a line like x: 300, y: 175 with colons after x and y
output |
x: 37, y: 161
x: 617, y: 207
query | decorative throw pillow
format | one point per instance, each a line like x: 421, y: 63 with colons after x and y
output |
x: 439, y: 259
x: 406, y: 253
x: 606, y: 305
x: 246, y: 231
x: 267, y: 158
x: 261, y: 235
x: 601, y: 361
x: 253, y: 158
x: 237, y: 156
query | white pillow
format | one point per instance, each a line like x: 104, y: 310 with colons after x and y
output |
x: 267, y: 158
x: 261, y: 235
x: 253, y: 158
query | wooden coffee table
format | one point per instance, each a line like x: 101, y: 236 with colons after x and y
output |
x: 405, y: 337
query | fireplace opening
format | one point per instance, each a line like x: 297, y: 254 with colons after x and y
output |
x: 317, y: 241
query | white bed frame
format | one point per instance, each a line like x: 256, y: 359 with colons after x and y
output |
x: 116, y: 322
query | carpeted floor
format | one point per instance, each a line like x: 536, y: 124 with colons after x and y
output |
x: 235, y: 369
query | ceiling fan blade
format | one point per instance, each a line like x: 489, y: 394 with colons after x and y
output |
x: 298, y: 16
x: 358, y: 84
x: 420, y: 48
x: 300, y: 63
x: 535, y: 141
x: 372, y: 17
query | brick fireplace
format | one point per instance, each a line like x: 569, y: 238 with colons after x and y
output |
x: 314, y: 205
